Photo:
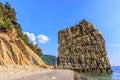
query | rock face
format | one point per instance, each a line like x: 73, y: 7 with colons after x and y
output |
x: 15, y: 48
x: 14, y: 51
x: 82, y: 48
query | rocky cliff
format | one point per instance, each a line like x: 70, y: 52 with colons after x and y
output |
x: 16, y: 52
x: 15, y: 48
x: 82, y: 48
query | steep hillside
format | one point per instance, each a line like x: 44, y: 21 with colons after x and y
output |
x: 15, y: 47
x: 49, y: 60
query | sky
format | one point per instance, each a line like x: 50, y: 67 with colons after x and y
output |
x: 42, y: 19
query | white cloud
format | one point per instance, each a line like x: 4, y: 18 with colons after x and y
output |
x: 43, y: 38
x: 31, y: 37
x: 114, y: 45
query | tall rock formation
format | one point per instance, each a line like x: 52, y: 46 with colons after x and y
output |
x: 82, y: 48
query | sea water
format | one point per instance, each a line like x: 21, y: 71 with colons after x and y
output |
x: 116, y: 73
x: 104, y: 76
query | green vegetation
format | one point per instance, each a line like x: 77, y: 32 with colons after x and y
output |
x: 8, y: 21
x: 49, y: 60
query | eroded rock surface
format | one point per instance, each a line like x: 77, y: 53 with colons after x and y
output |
x: 15, y: 47
x: 14, y: 51
x: 82, y: 48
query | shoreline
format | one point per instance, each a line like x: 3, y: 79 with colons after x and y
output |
x: 16, y: 72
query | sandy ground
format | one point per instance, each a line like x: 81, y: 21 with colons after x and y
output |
x: 14, y: 71
x: 35, y: 73
x: 49, y: 75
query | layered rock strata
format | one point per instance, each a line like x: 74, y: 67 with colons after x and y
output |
x: 15, y: 48
x: 14, y: 51
x: 82, y: 48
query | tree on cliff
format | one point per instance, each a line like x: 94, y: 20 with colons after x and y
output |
x: 8, y: 21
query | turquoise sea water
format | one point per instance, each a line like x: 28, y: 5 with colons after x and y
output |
x: 97, y: 76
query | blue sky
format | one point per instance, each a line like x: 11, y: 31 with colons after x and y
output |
x: 42, y: 19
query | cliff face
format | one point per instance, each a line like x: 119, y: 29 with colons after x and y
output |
x: 82, y: 48
x: 13, y: 50
x: 15, y: 47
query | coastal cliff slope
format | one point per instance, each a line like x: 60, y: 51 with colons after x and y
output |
x: 15, y: 47
x: 15, y: 51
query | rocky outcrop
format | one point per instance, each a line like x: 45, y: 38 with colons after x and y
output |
x: 14, y: 51
x: 15, y: 47
x: 82, y: 48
